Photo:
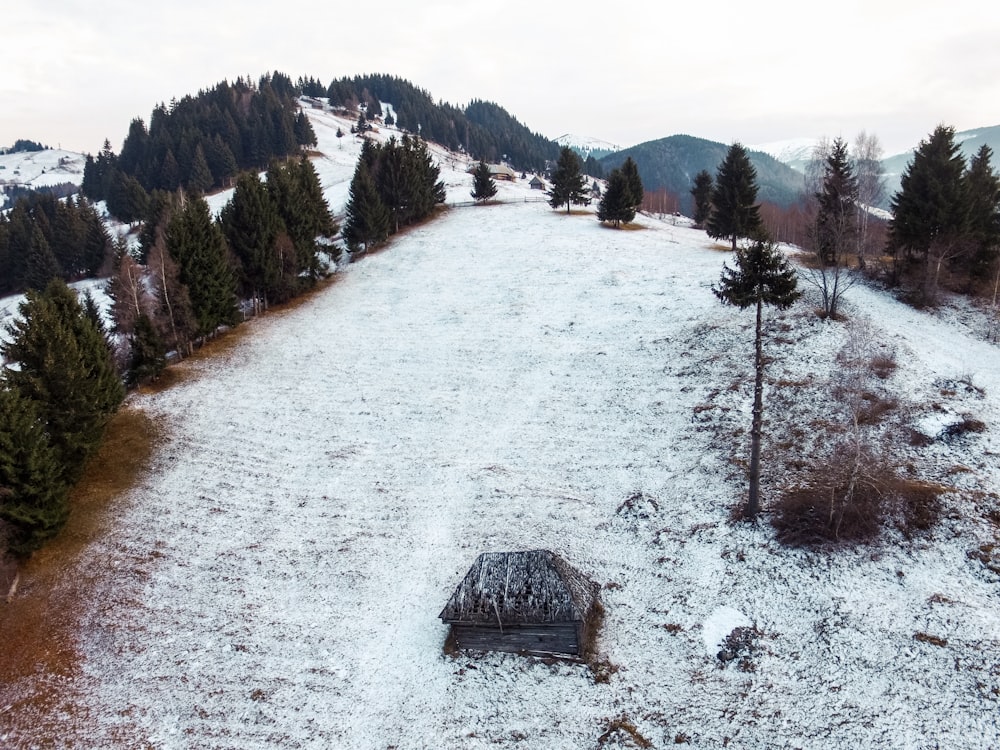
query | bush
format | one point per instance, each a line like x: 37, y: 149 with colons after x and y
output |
x: 851, y: 498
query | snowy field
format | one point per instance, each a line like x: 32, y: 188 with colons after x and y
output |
x: 507, y: 378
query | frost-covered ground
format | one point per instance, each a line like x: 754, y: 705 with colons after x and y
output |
x: 503, y: 378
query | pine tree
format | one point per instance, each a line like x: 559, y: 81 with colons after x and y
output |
x: 64, y: 366
x: 762, y: 276
x: 148, y: 353
x: 483, y: 185
x: 367, y: 223
x: 33, y: 491
x: 835, y: 230
x: 251, y: 224
x: 636, y: 192
x: 41, y: 265
x: 200, y: 178
x: 196, y: 243
x: 930, y: 211
x: 304, y: 133
x: 735, y: 214
x: 616, y: 204
x: 568, y: 184
x: 983, y: 190
x: 701, y: 191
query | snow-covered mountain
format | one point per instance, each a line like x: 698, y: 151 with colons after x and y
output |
x: 794, y: 152
x: 587, y: 146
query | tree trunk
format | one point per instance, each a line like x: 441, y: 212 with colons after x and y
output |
x: 753, y: 498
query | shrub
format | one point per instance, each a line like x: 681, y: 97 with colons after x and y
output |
x: 851, y: 497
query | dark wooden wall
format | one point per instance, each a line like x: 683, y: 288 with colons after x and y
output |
x: 556, y: 639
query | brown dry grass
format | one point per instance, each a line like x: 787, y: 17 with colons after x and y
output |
x: 38, y: 627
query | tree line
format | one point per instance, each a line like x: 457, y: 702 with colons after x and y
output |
x: 483, y: 130
x: 43, y: 237
x: 944, y: 228
x: 199, y: 143
x: 395, y: 184
x: 65, y: 374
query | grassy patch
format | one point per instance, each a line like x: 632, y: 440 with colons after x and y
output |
x: 38, y: 626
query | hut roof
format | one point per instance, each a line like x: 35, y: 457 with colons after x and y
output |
x: 536, y: 586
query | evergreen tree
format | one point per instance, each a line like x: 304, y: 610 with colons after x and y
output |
x: 200, y: 178
x: 735, y: 214
x: 483, y: 185
x: 304, y: 133
x: 762, y: 276
x: 931, y: 209
x: 33, y: 491
x: 251, y: 224
x: 835, y: 229
x: 148, y: 353
x: 616, y: 204
x: 636, y: 192
x: 368, y: 222
x: 702, y: 194
x: 196, y: 243
x: 983, y: 190
x: 568, y: 184
x: 295, y: 190
x: 41, y: 265
x: 63, y: 365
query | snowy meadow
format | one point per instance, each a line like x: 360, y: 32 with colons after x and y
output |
x: 508, y: 377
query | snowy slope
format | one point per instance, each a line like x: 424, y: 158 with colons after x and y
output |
x: 508, y: 377
x: 37, y: 169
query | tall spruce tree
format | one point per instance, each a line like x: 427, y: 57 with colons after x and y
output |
x: 616, y: 204
x: 762, y: 276
x: 569, y: 187
x: 196, y: 243
x: 735, y: 214
x: 836, y: 226
x: 701, y: 191
x: 931, y: 209
x: 33, y: 490
x: 636, y: 192
x: 368, y: 222
x: 983, y: 190
x: 483, y: 185
x: 251, y: 224
x: 63, y: 365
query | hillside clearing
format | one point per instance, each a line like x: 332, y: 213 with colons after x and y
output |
x: 510, y: 378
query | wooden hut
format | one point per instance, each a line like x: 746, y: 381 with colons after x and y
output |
x: 523, y: 602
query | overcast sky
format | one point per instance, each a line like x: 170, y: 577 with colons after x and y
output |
x: 75, y: 72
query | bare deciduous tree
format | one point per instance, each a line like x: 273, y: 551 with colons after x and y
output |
x: 867, y: 162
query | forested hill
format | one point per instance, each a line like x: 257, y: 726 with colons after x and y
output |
x: 482, y: 129
x: 199, y: 143
x: 673, y: 162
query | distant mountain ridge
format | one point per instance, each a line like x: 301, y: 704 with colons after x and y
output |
x: 673, y: 162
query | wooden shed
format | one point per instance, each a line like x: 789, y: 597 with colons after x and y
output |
x: 536, y: 183
x: 530, y: 602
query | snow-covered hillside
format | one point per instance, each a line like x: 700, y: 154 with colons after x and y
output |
x: 509, y: 377
x: 587, y: 146
x: 36, y: 169
x: 795, y: 152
